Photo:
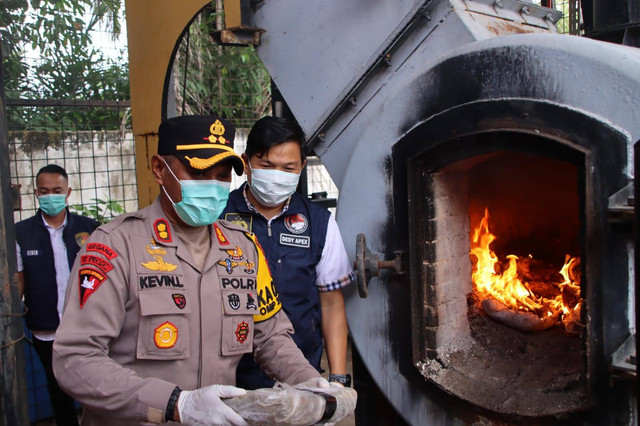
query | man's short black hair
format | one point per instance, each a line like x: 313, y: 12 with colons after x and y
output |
x: 53, y: 169
x: 270, y: 131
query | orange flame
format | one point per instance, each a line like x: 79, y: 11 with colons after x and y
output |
x: 510, y: 290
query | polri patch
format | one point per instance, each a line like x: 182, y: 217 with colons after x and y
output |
x: 242, y: 332
x: 296, y: 223
x: 179, y: 300
x: 222, y: 240
x: 244, y: 220
x: 89, y: 280
x: 106, y: 251
x: 295, y: 240
x: 81, y: 238
x: 162, y: 230
x: 165, y: 335
x: 89, y: 259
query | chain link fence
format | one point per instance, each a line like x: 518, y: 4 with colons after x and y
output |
x: 91, y: 140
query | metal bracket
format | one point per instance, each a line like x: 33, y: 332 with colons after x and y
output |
x: 621, y: 205
x: 239, y: 36
x: 368, y: 265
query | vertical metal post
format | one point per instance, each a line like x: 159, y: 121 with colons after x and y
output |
x: 13, y: 384
x: 636, y: 193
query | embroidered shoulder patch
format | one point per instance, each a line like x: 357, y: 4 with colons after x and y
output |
x: 242, y: 331
x: 268, y: 299
x: 107, y: 251
x: 89, y: 280
x: 89, y: 259
x: 162, y: 231
x: 222, y: 240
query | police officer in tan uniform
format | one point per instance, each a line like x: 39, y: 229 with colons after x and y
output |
x: 162, y: 303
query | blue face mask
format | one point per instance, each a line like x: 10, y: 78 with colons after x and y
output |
x: 52, y: 204
x: 202, y: 200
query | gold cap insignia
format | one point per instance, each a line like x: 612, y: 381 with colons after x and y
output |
x: 217, y: 130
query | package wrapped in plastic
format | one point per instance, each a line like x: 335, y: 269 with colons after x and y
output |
x: 285, y: 405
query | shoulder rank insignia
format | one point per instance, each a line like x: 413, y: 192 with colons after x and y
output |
x: 159, y: 264
x: 222, y: 240
x: 162, y: 230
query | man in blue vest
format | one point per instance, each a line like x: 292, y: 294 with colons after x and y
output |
x: 302, y: 243
x: 47, y: 244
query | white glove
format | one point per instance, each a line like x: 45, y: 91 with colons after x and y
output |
x: 204, y: 406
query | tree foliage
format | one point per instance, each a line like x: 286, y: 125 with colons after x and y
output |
x: 48, y: 53
x: 211, y: 79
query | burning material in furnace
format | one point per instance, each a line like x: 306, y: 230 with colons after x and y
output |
x: 526, y: 294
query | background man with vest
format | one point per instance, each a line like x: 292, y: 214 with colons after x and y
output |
x: 302, y: 243
x: 47, y: 244
x: 164, y: 302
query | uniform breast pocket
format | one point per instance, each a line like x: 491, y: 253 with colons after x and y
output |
x: 163, y: 332
x: 237, y: 321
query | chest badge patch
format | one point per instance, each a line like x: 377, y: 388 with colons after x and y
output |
x: 242, y: 332
x: 179, y: 300
x: 158, y: 264
x: 234, y: 301
x: 296, y: 223
x: 162, y: 231
x: 235, y: 254
x: 89, y: 280
x: 165, y: 335
x: 251, y: 303
x: 81, y: 238
x: 222, y: 240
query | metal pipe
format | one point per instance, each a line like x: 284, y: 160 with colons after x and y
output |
x: 13, y: 384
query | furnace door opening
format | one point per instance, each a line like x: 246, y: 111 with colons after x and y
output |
x: 530, y: 205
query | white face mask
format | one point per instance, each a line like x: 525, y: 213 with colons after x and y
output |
x: 273, y: 187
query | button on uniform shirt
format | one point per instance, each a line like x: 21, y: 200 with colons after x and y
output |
x: 62, y: 270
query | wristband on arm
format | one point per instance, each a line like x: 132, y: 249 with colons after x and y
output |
x: 171, y: 405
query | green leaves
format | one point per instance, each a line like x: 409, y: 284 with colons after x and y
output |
x: 101, y: 210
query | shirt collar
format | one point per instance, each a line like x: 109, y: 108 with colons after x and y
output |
x: 46, y: 224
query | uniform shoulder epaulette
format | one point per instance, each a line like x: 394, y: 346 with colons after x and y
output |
x: 119, y: 220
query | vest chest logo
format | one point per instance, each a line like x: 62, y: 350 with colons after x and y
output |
x: 89, y: 280
x: 165, y: 335
x: 242, y: 332
x: 81, y: 238
x: 33, y: 253
x: 244, y: 220
x: 158, y: 264
x: 179, y: 300
x: 296, y: 223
